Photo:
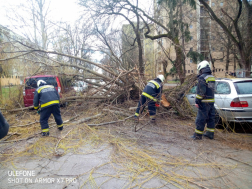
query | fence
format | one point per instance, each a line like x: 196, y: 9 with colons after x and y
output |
x: 12, y: 80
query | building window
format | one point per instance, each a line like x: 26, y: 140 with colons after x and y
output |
x: 192, y: 71
x: 221, y: 60
x: 191, y: 61
x: 213, y: 4
x: 222, y: 69
x: 219, y: 70
x: 216, y: 70
x: 221, y: 4
x: 188, y: 71
x: 191, y: 37
x: 213, y: 49
x: 191, y: 26
x: 191, y: 49
x: 221, y: 48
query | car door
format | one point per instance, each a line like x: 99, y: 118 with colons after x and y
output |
x: 191, y: 97
x: 222, y: 98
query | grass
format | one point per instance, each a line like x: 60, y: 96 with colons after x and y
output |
x: 9, y: 93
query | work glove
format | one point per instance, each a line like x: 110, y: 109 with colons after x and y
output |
x: 38, y: 111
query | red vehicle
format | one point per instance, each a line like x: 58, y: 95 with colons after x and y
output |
x: 31, y: 86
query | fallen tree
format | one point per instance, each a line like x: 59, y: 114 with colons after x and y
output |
x: 110, y: 85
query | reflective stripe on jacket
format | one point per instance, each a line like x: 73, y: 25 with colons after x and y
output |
x: 205, y: 87
x: 46, y: 96
x: 153, y: 90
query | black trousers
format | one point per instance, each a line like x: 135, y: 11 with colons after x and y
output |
x: 46, y: 113
x: 206, y: 115
x: 4, y: 126
x: 146, y: 101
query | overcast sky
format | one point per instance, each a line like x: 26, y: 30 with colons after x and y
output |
x: 65, y: 10
x: 60, y: 10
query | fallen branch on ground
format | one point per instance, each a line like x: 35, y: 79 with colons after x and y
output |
x: 60, y: 140
x: 3, y: 141
x: 86, y: 119
x: 117, y: 112
x: 25, y: 125
x: 106, y: 123
x: 20, y: 109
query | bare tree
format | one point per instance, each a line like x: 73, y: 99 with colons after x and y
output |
x: 33, y: 19
x: 128, y: 9
x: 124, y: 9
x: 240, y: 32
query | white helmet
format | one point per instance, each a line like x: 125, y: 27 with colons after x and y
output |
x: 203, y: 64
x: 161, y: 77
x: 41, y: 82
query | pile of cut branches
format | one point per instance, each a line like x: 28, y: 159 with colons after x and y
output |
x: 177, y: 97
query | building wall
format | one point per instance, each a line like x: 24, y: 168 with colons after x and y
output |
x: 197, y: 20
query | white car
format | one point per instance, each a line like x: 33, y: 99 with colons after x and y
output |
x: 233, y: 99
x: 80, y: 86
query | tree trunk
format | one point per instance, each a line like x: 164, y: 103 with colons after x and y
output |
x: 227, y: 60
x: 179, y: 61
x: 140, y: 56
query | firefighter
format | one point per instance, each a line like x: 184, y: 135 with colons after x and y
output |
x: 4, y: 126
x: 48, y: 97
x: 205, y: 102
x: 151, y: 96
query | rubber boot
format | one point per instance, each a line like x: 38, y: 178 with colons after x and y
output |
x: 209, y: 135
x: 196, y: 136
x: 153, y: 121
x: 136, y: 119
x: 60, y: 128
x: 45, y: 133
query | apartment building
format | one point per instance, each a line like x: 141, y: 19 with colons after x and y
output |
x: 206, y: 38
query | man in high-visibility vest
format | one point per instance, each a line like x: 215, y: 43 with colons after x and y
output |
x: 151, y: 96
x: 48, y: 98
x: 205, y: 102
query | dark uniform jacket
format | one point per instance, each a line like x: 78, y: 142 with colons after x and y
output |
x: 47, y: 96
x: 153, y: 89
x: 4, y: 126
x: 205, y: 87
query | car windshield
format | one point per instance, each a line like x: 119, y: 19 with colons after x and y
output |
x: 31, y: 83
x: 244, y: 87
